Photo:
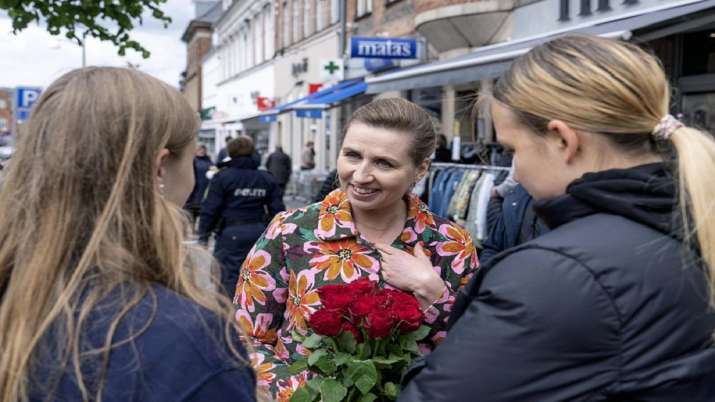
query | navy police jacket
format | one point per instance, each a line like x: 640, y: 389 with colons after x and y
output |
x: 239, y: 193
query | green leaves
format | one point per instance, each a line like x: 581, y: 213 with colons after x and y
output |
x: 363, y: 374
x: 332, y: 391
x: 312, y: 341
x: 106, y: 20
x: 346, y: 342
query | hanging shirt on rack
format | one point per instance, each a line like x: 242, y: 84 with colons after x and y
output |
x: 476, y: 222
x: 459, y: 203
x: 450, y: 189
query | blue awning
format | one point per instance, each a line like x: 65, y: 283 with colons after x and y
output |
x: 314, y: 107
x: 272, y: 114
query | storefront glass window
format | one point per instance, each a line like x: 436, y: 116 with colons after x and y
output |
x: 698, y: 111
x: 699, y: 53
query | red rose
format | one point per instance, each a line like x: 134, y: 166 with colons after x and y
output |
x: 409, y: 317
x: 361, y: 307
x: 398, y: 297
x: 379, y: 324
x: 326, y: 322
x: 348, y: 327
x: 335, y: 296
x: 361, y: 286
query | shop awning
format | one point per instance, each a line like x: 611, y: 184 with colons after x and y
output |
x: 314, y: 108
x: 490, y: 61
x: 272, y: 114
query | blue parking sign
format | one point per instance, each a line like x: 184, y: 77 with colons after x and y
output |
x: 25, y: 97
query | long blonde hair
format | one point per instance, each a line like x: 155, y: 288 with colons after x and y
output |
x: 82, y: 217
x: 618, y: 90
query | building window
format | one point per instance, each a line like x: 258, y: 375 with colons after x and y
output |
x: 321, y: 9
x: 335, y: 11
x: 295, y: 11
x: 307, y: 15
x: 269, y: 32
x: 364, y: 7
x: 285, y: 24
x: 258, y: 35
x: 388, y: 2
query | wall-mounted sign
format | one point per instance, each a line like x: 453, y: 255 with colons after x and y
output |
x: 299, y: 68
x: 331, y: 70
x: 383, y: 48
x: 24, y: 99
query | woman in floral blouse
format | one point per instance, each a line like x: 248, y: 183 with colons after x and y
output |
x: 371, y: 227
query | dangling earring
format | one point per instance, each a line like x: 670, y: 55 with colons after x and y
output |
x: 161, y: 187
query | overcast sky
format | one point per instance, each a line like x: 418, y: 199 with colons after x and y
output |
x: 35, y: 58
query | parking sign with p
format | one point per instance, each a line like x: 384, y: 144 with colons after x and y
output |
x: 25, y: 97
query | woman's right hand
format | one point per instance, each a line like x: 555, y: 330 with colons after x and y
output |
x: 413, y: 273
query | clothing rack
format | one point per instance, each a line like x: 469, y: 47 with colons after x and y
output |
x: 465, y: 166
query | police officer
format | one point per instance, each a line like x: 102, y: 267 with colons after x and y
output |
x: 240, y: 201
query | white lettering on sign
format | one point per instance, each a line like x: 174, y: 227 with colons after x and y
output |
x: 29, y: 97
x: 249, y: 192
x: 383, y: 48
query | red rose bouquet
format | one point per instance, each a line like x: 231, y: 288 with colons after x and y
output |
x: 364, y: 339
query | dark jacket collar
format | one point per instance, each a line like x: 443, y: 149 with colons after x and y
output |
x: 645, y: 194
x: 243, y: 162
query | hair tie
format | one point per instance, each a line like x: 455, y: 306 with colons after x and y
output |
x: 665, y: 129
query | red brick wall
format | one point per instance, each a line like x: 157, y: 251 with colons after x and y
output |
x: 6, y: 112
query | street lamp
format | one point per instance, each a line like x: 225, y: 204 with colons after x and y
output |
x: 84, y: 49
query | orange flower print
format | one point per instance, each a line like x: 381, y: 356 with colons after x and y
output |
x: 458, y: 244
x: 302, y: 300
x: 287, y: 387
x: 334, y: 211
x: 421, y: 214
x: 254, y: 281
x: 258, y: 330
x: 408, y: 236
x: 264, y: 371
x: 278, y: 225
x: 344, y: 258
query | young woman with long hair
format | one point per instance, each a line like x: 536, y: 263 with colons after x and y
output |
x: 99, y: 299
x: 615, y: 303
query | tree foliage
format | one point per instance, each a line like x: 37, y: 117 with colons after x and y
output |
x: 107, y: 20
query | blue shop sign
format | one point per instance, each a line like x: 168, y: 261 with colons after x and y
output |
x: 383, y: 48
x: 377, y: 65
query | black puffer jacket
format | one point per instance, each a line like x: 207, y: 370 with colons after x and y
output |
x: 607, y: 306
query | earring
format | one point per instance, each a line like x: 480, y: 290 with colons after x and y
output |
x: 161, y: 188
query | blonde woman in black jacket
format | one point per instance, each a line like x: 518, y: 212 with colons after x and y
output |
x: 615, y: 303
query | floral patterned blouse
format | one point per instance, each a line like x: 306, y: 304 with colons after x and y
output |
x: 307, y: 248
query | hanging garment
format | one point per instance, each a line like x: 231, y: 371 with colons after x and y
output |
x: 437, y: 198
x: 460, y: 201
x: 476, y: 222
x: 449, y: 190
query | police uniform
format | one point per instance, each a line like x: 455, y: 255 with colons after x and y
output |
x: 240, y: 201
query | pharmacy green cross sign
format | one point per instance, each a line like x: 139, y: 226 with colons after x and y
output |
x: 331, y: 67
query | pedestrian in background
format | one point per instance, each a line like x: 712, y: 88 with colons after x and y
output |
x: 615, y: 303
x: 240, y: 201
x: 308, y: 157
x: 99, y: 301
x: 280, y: 166
x: 202, y: 165
x: 442, y: 153
x: 222, y: 156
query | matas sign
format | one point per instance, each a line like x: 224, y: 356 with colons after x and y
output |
x: 383, y: 48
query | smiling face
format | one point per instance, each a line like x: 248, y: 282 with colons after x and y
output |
x: 375, y: 168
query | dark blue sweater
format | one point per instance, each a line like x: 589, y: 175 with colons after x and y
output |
x: 180, y: 356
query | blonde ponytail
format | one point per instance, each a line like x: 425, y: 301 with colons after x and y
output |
x: 696, y: 180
